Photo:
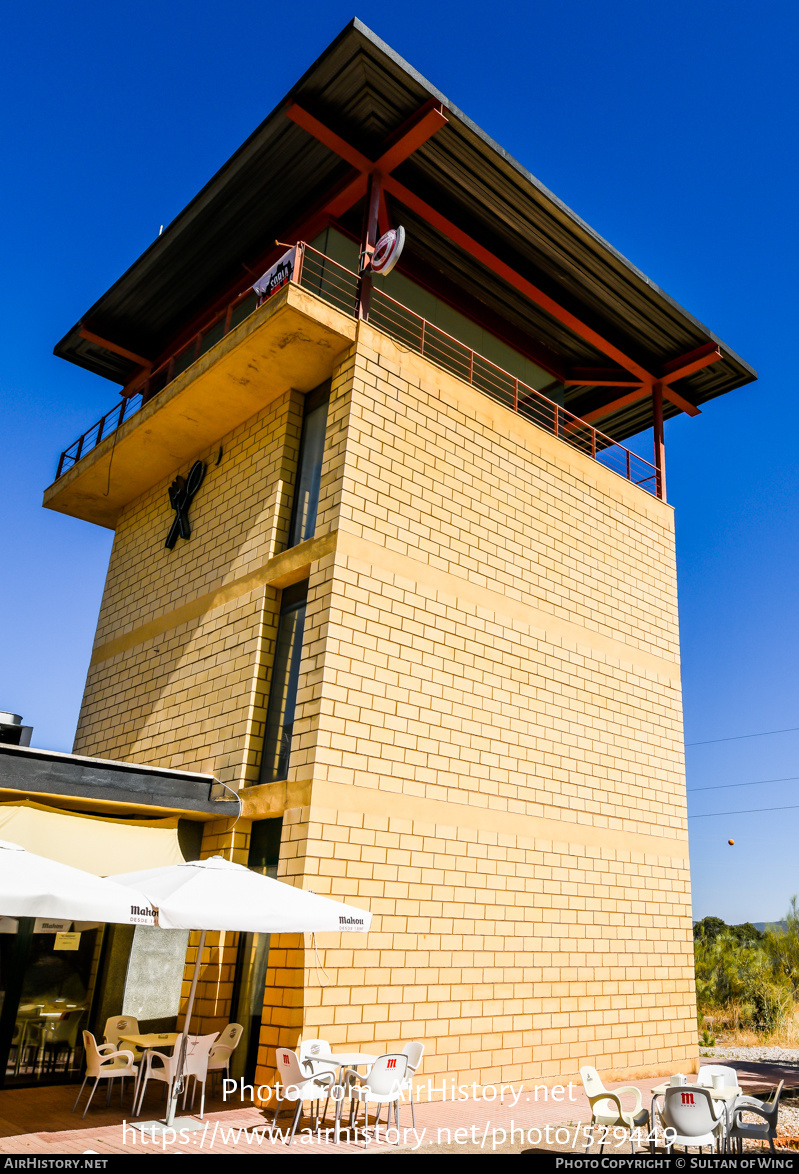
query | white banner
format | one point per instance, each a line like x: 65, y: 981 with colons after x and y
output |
x: 276, y: 277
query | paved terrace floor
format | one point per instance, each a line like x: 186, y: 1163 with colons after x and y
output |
x: 38, y: 1121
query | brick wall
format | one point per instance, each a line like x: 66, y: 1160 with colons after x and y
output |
x: 491, y: 713
x: 488, y: 733
x: 178, y: 673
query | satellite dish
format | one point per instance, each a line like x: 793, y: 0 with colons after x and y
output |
x: 388, y: 250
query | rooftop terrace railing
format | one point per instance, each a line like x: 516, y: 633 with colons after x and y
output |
x: 339, y: 286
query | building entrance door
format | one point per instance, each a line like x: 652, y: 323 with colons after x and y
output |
x: 47, y: 978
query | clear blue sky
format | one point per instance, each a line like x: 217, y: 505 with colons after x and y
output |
x: 669, y: 127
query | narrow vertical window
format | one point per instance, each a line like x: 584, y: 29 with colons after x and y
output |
x: 309, y: 466
x: 283, y: 688
x: 252, y: 957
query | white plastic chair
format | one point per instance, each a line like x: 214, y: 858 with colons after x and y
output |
x: 383, y: 1086
x: 708, y: 1071
x: 607, y: 1110
x: 119, y: 1025
x: 198, y: 1050
x: 414, y: 1053
x: 104, y: 1062
x: 764, y: 1130
x: 299, y: 1086
x: 158, y: 1066
x: 692, y: 1117
x: 309, y: 1051
x: 226, y: 1044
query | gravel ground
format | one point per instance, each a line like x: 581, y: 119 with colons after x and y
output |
x: 754, y: 1055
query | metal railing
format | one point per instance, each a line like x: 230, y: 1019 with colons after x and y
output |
x: 339, y: 286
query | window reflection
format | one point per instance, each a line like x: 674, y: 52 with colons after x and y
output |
x: 283, y: 687
x: 309, y: 466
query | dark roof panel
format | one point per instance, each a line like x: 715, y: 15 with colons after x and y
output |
x: 365, y: 91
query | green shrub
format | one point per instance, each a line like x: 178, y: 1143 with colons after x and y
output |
x: 745, y: 977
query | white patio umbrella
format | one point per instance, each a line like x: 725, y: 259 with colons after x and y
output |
x: 33, y: 886
x: 217, y: 894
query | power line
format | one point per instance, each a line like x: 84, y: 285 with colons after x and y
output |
x: 746, y: 811
x: 740, y: 737
x: 753, y: 783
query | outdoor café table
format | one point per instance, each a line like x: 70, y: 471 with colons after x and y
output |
x: 342, y: 1060
x: 728, y: 1094
x: 154, y: 1039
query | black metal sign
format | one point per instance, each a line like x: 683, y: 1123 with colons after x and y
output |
x: 181, y: 495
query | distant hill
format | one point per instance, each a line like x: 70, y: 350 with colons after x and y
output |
x: 714, y: 925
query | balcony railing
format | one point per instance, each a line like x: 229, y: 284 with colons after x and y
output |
x: 339, y: 286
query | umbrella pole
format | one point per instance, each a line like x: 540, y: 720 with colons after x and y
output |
x: 195, y: 976
x: 177, y: 1086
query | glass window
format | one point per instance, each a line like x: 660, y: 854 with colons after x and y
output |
x: 252, y: 958
x: 283, y: 687
x: 309, y: 466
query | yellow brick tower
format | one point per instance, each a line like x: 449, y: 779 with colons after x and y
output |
x: 419, y: 614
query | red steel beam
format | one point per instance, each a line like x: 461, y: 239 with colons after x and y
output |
x: 412, y: 135
x: 328, y: 137
x: 114, y: 347
x: 416, y: 131
x: 639, y: 393
x: 426, y: 121
x: 622, y: 401
x: 487, y: 258
x: 660, y: 444
x: 598, y: 377
x: 351, y: 191
x: 383, y: 214
x: 680, y: 401
x: 703, y: 356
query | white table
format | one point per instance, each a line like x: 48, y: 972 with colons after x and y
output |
x: 342, y: 1060
x: 153, y: 1039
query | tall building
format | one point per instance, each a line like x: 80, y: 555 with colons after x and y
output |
x: 384, y: 566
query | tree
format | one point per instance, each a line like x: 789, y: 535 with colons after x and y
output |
x: 709, y: 928
x: 782, y: 945
x: 747, y: 934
